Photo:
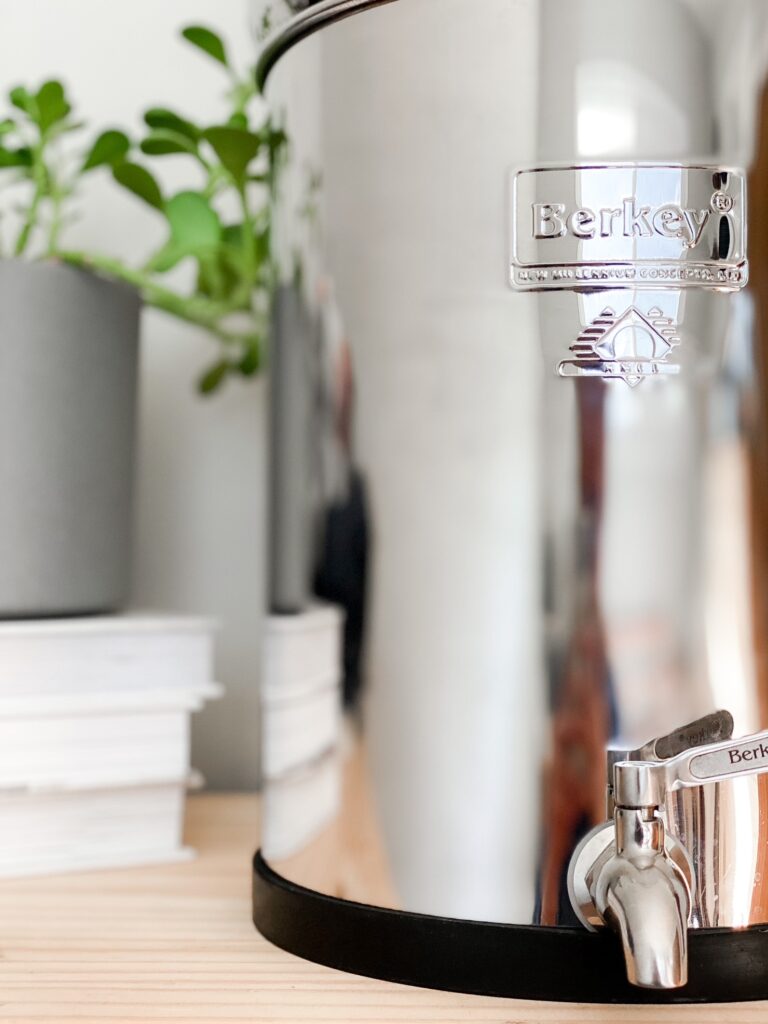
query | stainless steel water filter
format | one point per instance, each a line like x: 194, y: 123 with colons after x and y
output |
x: 533, y: 475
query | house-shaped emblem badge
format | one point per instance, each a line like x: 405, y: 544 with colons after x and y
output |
x: 628, y: 347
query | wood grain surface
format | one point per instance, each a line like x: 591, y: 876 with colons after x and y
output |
x: 176, y: 943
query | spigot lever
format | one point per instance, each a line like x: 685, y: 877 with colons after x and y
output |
x: 646, y: 783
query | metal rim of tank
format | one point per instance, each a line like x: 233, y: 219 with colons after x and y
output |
x: 311, y: 17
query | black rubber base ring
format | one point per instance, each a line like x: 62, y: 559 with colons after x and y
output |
x: 519, y: 961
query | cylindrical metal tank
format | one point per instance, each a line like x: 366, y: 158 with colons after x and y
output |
x: 519, y: 441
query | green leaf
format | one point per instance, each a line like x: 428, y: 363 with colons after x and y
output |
x: 213, y: 377
x: 251, y: 358
x: 233, y: 263
x: 207, y: 41
x: 161, y: 117
x: 7, y: 125
x: 194, y: 223
x: 238, y: 120
x: 163, y: 141
x: 275, y: 138
x: 22, y: 98
x: 209, y: 279
x: 263, y: 243
x: 52, y: 105
x: 232, y: 234
x: 195, y: 231
x: 235, y: 148
x: 21, y: 157
x: 166, y: 258
x: 232, y: 255
x: 138, y: 180
x: 109, y: 148
x: 221, y: 272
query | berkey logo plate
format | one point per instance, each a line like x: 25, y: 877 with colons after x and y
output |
x: 628, y: 226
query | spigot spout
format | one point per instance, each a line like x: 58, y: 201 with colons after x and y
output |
x: 645, y: 897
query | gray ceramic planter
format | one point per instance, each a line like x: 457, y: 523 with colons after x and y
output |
x: 68, y: 368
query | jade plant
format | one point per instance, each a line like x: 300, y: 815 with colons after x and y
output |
x: 233, y: 164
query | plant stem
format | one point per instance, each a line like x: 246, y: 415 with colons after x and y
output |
x: 191, y: 309
x: 30, y: 221
x: 249, y: 243
x: 58, y: 195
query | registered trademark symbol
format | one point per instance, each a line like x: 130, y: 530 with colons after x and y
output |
x: 721, y: 202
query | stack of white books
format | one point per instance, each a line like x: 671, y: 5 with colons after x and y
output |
x: 95, y: 739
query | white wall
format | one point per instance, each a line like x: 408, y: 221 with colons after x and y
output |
x: 200, y: 508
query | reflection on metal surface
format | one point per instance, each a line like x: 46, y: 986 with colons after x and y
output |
x: 547, y: 564
x: 574, y: 789
x: 347, y: 858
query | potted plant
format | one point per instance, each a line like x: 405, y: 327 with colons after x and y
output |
x: 70, y: 321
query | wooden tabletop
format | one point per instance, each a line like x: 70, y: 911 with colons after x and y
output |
x: 176, y: 943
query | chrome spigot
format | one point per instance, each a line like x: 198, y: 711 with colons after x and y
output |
x: 634, y: 876
x: 646, y: 897
x: 631, y: 875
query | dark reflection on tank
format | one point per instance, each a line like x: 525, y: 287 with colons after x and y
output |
x: 582, y: 705
x: 343, y: 530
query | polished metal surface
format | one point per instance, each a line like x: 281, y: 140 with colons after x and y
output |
x: 543, y: 508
